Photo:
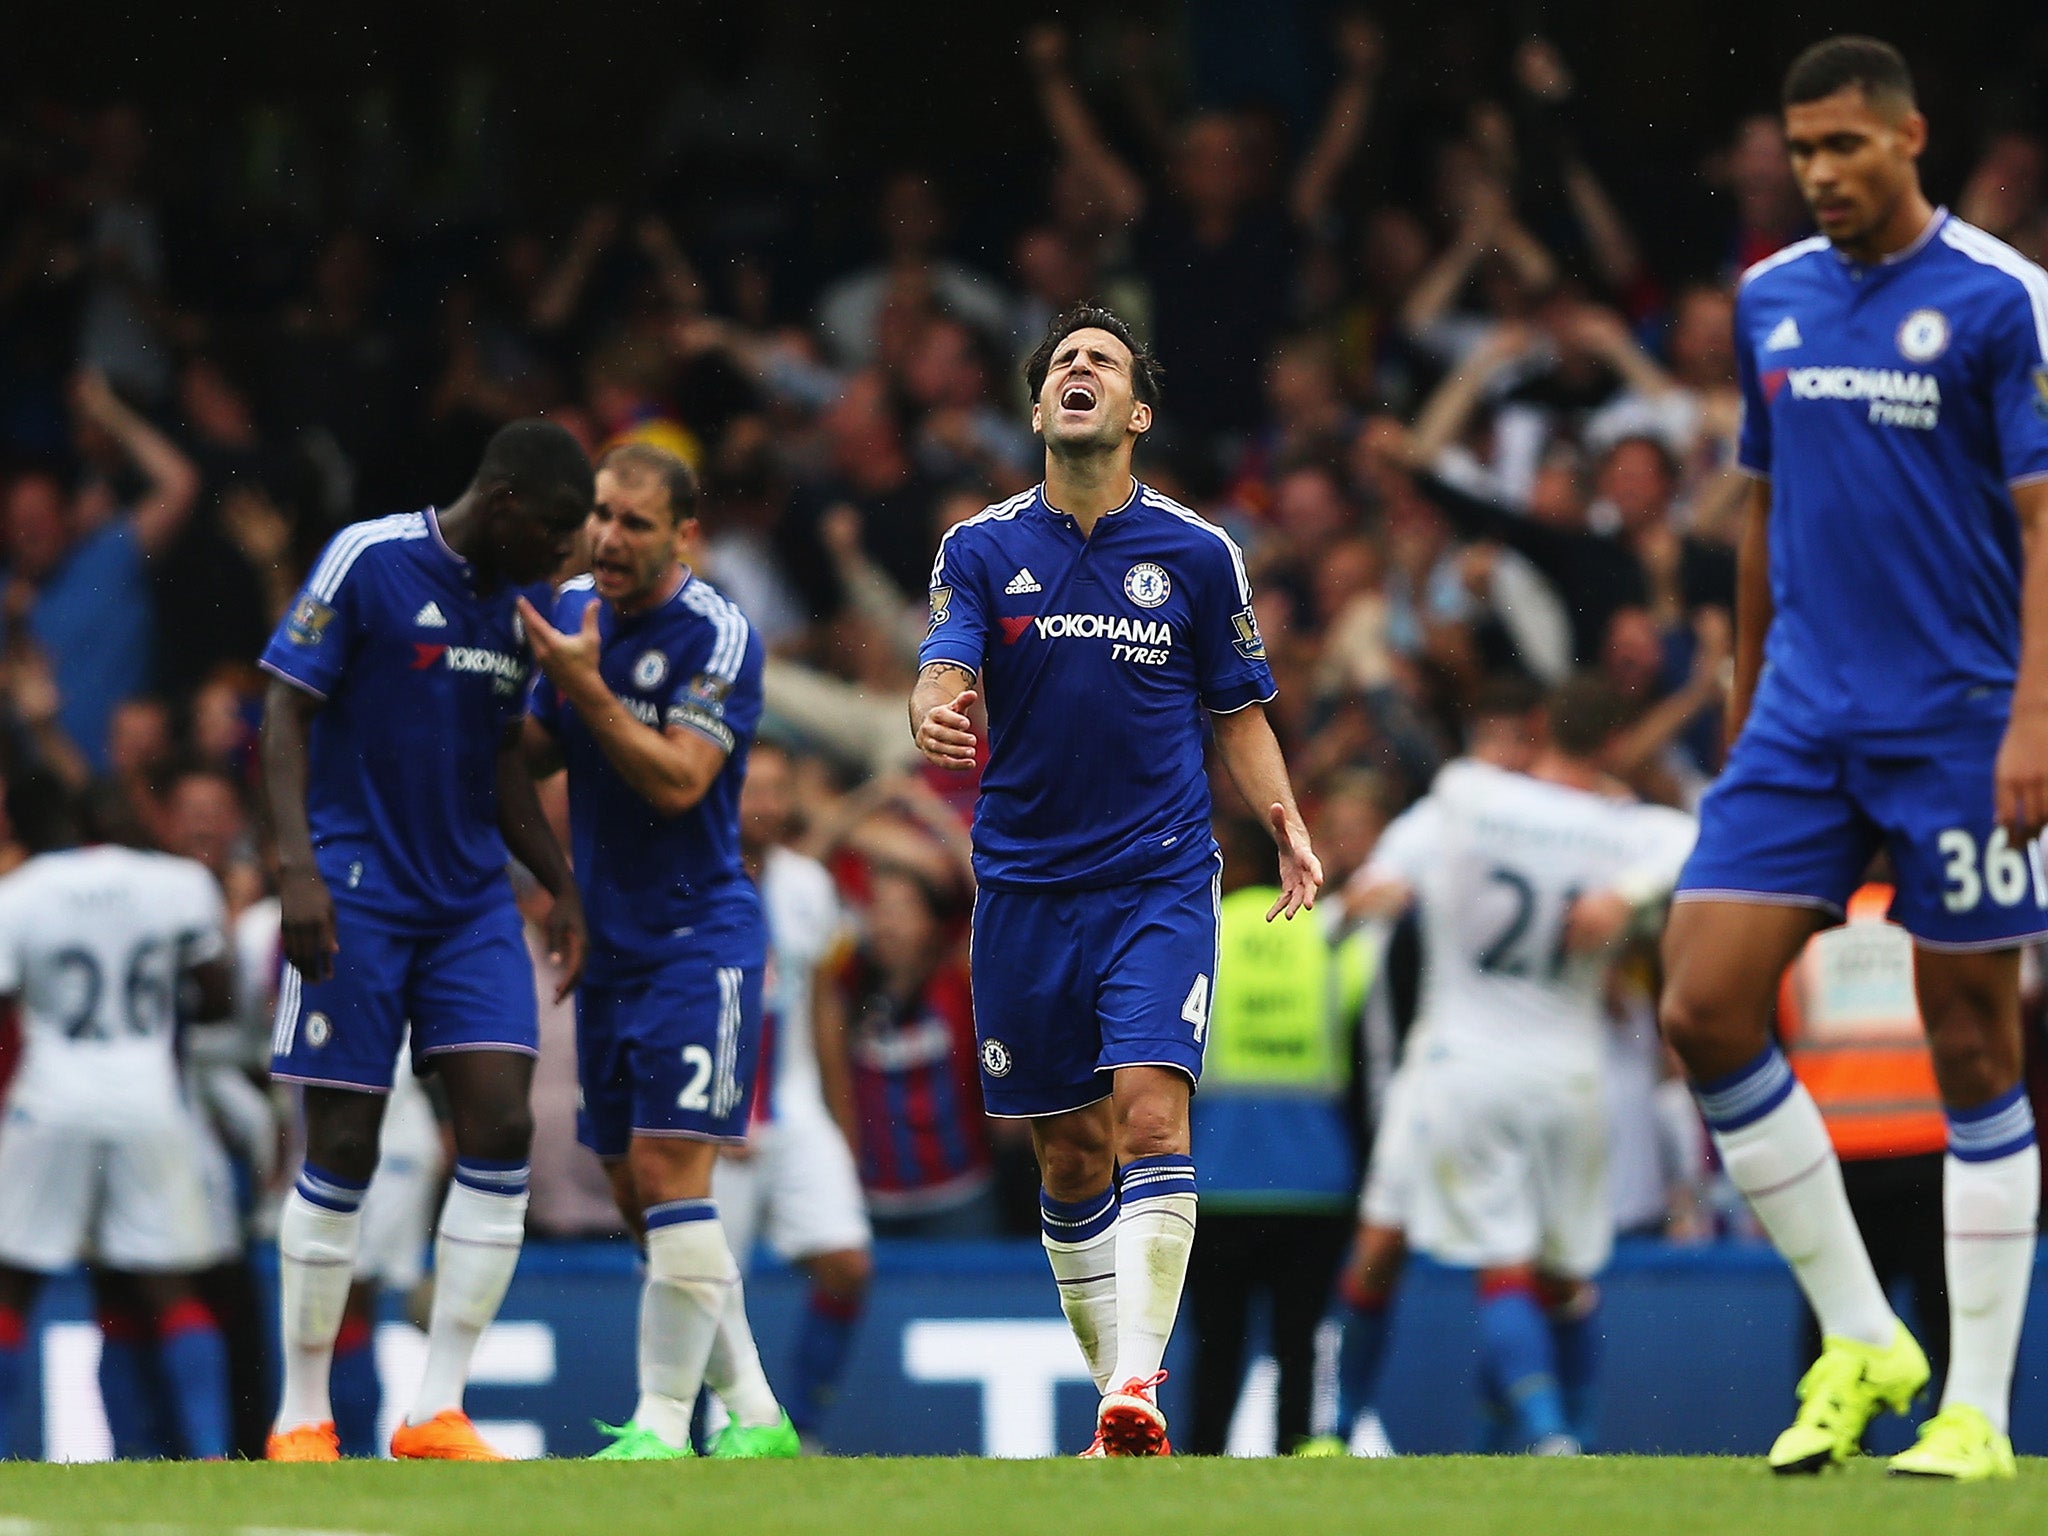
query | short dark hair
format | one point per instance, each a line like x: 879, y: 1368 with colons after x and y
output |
x: 41, y: 811
x: 1504, y: 696
x: 1585, y: 711
x: 675, y: 475
x: 1836, y: 63
x: 1145, y: 369
x: 537, y: 460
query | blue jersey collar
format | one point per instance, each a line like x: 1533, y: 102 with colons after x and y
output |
x: 433, y: 517
x: 1904, y: 254
x: 1128, y: 501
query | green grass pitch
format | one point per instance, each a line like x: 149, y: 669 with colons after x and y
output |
x: 1419, y: 1496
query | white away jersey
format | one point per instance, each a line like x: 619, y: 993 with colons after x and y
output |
x: 95, y: 941
x: 1496, y: 859
x: 805, y: 921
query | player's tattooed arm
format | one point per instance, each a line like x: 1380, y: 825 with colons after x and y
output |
x: 530, y: 840
x: 307, y: 915
x: 938, y: 714
x: 1245, y: 741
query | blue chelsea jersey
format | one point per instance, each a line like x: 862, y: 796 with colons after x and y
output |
x: 657, y: 886
x: 1891, y: 406
x: 421, y: 674
x: 1097, y: 657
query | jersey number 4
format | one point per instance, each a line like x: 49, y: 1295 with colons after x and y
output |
x: 1196, y: 1009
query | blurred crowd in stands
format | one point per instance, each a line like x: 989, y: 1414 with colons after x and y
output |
x: 1417, y: 360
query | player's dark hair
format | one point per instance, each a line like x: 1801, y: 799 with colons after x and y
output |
x: 537, y: 461
x: 107, y: 813
x: 1504, y: 696
x: 40, y: 810
x: 1145, y: 369
x: 676, y: 477
x: 1836, y: 63
x: 1585, y: 712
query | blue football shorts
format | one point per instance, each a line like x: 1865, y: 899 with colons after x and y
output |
x: 671, y: 1051
x: 1070, y: 985
x: 466, y: 988
x: 1796, y: 817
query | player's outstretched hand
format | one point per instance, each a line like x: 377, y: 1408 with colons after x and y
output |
x: 1301, y: 872
x: 561, y: 656
x: 307, y: 924
x: 946, y: 735
x: 2020, y: 776
x: 568, y: 938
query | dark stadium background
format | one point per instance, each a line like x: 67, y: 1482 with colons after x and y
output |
x: 577, y: 88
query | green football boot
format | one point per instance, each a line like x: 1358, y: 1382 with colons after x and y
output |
x: 1959, y: 1444
x: 737, y: 1441
x: 1841, y: 1393
x: 632, y: 1443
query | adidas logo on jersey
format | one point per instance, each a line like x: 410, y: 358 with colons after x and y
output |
x: 1784, y: 336
x: 430, y: 617
x: 1023, y: 581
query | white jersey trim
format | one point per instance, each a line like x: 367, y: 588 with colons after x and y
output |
x: 1988, y: 250
x: 730, y: 647
x: 1791, y: 253
x: 334, y: 565
x: 999, y: 512
x: 1194, y: 519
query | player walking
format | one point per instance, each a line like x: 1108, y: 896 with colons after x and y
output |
x: 99, y: 1155
x: 650, y: 698
x: 1103, y: 620
x: 796, y: 1181
x: 1526, y: 882
x: 1891, y: 690
x: 393, y: 766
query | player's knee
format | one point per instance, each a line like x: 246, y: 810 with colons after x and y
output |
x: 347, y: 1149
x: 1706, y: 1029
x: 1153, y: 1128
x: 843, y: 1275
x: 504, y: 1135
x: 1074, y: 1168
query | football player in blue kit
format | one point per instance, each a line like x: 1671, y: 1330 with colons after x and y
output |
x: 650, y: 695
x: 1105, y: 625
x: 397, y: 785
x: 1891, y: 692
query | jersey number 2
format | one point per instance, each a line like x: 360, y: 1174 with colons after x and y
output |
x: 696, y: 1094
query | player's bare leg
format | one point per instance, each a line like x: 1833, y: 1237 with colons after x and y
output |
x: 1078, y: 1219
x: 318, y: 1234
x: 476, y: 1246
x: 1366, y: 1288
x: 693, y: 1327
x: 1722, y: 962
x: 1991, y: 1199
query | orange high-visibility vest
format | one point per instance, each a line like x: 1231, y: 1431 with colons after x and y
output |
x: 1851, y: 1029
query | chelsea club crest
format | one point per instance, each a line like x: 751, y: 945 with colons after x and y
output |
x: 1146, y: 585
x: 650, y: 669
x: 1923, y: 336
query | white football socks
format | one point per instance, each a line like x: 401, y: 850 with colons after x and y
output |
x: 1991, y: 1203
x: 1155, y: 1233
x: 733, y: 1369
x: 483, y: 1224
x: 317, y: 1235
x: 691, y: 1280
x: 1080, y: 1244
x: 1776, y: 1150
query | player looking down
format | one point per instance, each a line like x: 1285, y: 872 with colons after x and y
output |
x: 1891, y: 690
x: 397, y: 787
x: 651, y: 692
x: 1106, y: 625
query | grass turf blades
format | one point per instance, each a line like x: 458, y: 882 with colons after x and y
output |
x: 1442, y: 1496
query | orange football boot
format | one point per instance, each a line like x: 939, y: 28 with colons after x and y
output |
x: 308, y: 1442
x: 447, y: 1436
x: 1129, y: 1423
